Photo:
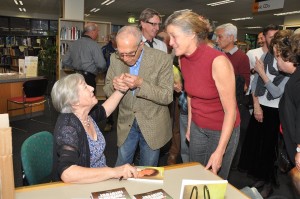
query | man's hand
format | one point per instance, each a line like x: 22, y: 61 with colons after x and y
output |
x: 132, y: 81
x: 119, y: 84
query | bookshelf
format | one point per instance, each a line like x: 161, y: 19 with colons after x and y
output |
x: 69, y: 31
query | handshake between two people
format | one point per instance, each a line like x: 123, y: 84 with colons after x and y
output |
x: 126, y: 81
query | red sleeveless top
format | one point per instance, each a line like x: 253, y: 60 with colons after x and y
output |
x: 207, y: 110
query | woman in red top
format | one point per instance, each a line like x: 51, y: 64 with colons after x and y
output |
x: 213, y: 127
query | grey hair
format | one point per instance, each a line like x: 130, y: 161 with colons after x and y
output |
x: 229, y: 29
x: 130, y: 30
x: 189, y: 22
x: 90, y: 27
x: 65, y: 92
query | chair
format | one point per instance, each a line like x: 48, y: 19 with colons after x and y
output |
x: 37, y: 157
x: 33, y: 94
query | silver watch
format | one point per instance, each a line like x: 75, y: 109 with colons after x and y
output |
x: 298, y: 149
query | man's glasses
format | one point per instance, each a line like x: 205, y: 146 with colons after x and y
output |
x: 130, y: 55
x: 154, y: 24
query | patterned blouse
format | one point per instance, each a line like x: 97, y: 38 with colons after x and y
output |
x: 97, y: 157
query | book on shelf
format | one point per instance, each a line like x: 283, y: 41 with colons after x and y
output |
x: 111, y: 194
x: 149, y: 174
x: 204, y: 189
x: 155, y: 194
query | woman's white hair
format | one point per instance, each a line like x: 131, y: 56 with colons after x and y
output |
x: 65, y: 92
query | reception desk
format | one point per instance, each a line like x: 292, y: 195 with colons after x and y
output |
x: 11, y: 85
x: 172, y: 184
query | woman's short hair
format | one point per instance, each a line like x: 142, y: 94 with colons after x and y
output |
x: 189, y: 22
x: 65, y: 92
x: 286, y: 45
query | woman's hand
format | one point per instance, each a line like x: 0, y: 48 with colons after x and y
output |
x: 259, y: 66
x: 178, y: 87
x: 126, y: 171
x: 215, y: 162
x: 258, y: 113
x: 119, y: 84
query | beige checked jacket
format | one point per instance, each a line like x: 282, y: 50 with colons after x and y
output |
x: 149, y: 104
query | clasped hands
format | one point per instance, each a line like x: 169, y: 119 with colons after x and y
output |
x: 127, y: 81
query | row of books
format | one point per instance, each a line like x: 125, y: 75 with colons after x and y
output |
x: 192, y: 189
x: 64, y: 47
x: 70, y: 33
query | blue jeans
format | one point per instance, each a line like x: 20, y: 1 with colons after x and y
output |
x: 203, y: 142
x: 184, y: 149
x: 148, y: 157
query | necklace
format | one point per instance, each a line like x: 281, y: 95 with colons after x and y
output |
x: 85, y: 122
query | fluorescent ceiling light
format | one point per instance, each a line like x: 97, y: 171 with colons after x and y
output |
x: 110, y: 2
x: 86, y: 15
x: 20, y: 9
x: 24, y: 9
x: 21, y: 3
x: 287, y: 13
x: 220, y: 3
x: 104, y: 2
x: 16, y: 2
x: 254, y: 27
x: 243, y: 18
x: 92, y: 10
x: 97, y: 10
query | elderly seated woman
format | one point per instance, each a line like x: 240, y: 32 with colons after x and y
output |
x: 78, y: 142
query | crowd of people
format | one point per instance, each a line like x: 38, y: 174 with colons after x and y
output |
x: 223, y: 109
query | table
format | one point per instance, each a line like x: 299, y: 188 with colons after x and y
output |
x: 172, y: 183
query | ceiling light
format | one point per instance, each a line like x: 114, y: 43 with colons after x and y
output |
x: 220, y: 3
x: 104, y: 2
x: 24, y: 9
x: 110, y: 2
x: 254, y: 27
x: 287, y: 13
x: 92, y: 10
x: 97, y: 10
x: 21, y: 3
x: 243, y: 18
x: 16, y: 2
x: 86, y: 15
x: 20, y: 9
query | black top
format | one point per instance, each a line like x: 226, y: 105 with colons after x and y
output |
x: 289, y: 112
x: 71, y: 146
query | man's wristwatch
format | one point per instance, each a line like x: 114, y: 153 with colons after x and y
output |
x: 298, y: 149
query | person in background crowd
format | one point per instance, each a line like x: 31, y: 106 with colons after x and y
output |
x: 210, y: 84
x: 226, y: 36
x: 286, y: 50
x: 78, y: 142
x: 144, y: 117
x: 257, y: 52
x: 85, y: 55
x: 287, y: 53
x: 150, y: 23
x: 107, y: 50
x: 261, y: 144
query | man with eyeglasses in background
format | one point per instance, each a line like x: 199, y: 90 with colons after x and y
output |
x: 145, y: 76
x: 150, y: 24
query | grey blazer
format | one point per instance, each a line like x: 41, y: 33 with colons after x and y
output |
x: 149, y: 104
